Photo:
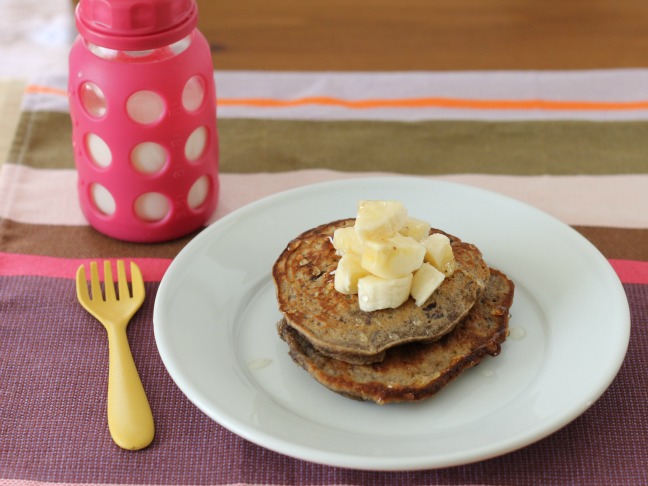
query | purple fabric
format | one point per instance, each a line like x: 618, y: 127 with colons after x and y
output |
x: 53, y: 372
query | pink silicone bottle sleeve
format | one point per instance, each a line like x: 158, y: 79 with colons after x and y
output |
x: 176, y: 191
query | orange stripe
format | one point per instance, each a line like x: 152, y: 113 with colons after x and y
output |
x: 424, y: 102
x: 35, y: 89
x: 436, y: 102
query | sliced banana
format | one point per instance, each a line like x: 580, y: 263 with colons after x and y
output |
x: 346, y: 240
x: 388, y: 256
x: 348, y: 272
x: 438, y: 252
x: 415, y: 228
x: 426, y: 280
x: 379, y: 219
x: 376, y: 293
x: 393, y: 257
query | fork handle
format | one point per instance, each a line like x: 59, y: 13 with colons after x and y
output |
x: 130, y: 419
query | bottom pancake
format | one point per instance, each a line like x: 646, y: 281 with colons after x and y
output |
x: 415, y: 371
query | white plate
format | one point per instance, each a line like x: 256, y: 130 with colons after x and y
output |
x: 215, y: 316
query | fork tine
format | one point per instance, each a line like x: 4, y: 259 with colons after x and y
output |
x: 95, y: 285
x: 122, y: 282
x: 82, y: 285
x: 137, y: 282
x: 109, y: 284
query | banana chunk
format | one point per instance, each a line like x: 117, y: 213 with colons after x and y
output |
x: 415, y: 228
x: 348, y: 272
x: 388, y: 256
x: 346, y: 240
x: 426, y: 280
x: 375, y: 293
x: 392, y: 257
x: 438, y: 252
x: 379, y: 219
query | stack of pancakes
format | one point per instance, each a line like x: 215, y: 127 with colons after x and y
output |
x: 391, y: 355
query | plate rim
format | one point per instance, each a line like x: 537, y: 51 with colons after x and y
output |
x: 286, y: 447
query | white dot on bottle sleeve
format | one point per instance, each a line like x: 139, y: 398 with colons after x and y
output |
x: 152, y: 206
x: 148, y: 157
x: 196, y: 144
x: 102, y: 199
x: 92, y: 99
x: 98, y: 150
x: 198, y: 192
x: 145, y: 107
x: 193, y: 93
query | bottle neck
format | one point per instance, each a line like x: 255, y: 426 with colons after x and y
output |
x: 137, y: 57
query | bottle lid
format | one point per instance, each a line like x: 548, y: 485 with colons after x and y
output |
x: 132, y: 25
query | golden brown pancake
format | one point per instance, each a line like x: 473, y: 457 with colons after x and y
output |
x: 414, y: 371
x: 333, y: 323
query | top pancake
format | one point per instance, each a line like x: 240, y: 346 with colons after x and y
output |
x: 333, y: 322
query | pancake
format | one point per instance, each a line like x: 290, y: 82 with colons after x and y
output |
x: 415, y: 371
x: 333, y: 323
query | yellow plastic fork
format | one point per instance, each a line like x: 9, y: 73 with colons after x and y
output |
x: 130, y: 420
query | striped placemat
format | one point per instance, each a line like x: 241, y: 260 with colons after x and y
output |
x: 573, y: 144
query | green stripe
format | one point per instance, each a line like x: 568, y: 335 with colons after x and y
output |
x: 43, y: 140
x: 436, y: 147
x: 432, y: 147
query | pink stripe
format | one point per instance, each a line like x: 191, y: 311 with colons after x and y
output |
x: 40, y: 196
x: 631, y: 271
x: 11, y: 264
x: 27, y: 482
x: 153, y: 269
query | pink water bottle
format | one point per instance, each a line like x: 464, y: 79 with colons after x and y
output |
x: 143, y: 108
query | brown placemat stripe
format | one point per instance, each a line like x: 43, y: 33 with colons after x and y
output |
x: 79, y: 242
x: 618, y: 243
x: 427, y: 147
x: 85, y: 242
